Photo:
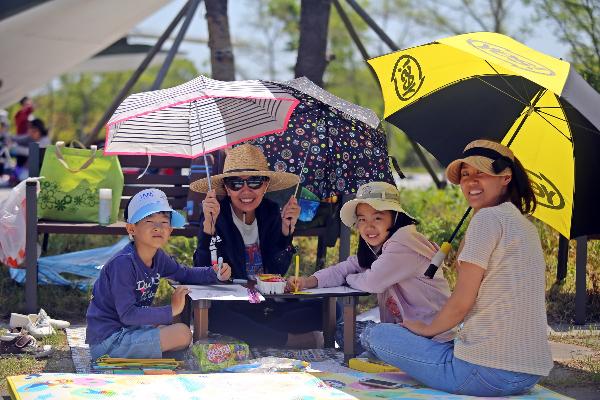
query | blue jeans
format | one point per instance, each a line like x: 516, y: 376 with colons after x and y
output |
x: 434, y: 364
x: 132, y: 342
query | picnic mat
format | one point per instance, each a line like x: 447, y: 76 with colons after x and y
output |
x: 281, y: 386
x: 411, y: 389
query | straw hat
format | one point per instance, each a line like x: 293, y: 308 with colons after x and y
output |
x: 246, y: 159
x: 381, y: 196
x: 487, y: 156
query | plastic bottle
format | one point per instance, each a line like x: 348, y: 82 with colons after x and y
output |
x: 104, y: 210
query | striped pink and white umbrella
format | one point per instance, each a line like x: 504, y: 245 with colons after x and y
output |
x: 197, y: 117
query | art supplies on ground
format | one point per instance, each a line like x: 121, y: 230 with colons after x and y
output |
x: 216, y: 352
x: 270, y: 364
x: 369, y: 365
x: 135, y: 366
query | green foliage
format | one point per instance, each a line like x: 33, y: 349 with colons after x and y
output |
x: 577, y: 24
x: 438, y: 212
x: 455, y: 17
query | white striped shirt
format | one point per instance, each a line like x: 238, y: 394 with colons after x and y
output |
x: 507, y: 326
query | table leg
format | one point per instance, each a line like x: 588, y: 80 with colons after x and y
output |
x: 201, y: 318
x: 349, y: 326
x: 329, y: 321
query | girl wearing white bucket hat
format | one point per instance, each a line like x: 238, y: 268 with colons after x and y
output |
x: 391, y: 259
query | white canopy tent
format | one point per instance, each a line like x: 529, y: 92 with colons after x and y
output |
x: 50, y: 38
x: 120, y: 56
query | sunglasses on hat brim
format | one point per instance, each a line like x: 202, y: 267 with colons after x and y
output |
x: 236, y: 183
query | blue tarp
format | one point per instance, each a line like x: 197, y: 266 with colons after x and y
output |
x: 85, y: 264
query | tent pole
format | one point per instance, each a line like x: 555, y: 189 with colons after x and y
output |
x: 160, y: 77
x: 135, y: 76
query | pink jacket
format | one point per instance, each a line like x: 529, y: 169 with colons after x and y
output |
x: 403, y: 292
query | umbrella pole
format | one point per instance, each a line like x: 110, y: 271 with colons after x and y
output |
x: 205, y: 165
x: 441, y: 254
x: 203, y: 148
x: 439, y: 257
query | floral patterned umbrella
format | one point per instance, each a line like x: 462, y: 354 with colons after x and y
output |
x: 333, y: 151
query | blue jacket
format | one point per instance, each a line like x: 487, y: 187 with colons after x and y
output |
x: 124, y: 291
x: 275, y: 248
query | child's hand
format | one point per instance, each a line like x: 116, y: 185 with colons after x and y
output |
x: 418, y: 327
x: 225, y: 272
x: 302, y: 282
x: 211, y: 209
x: 178, y: 299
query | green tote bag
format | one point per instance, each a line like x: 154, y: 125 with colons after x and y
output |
x: 71, y: 182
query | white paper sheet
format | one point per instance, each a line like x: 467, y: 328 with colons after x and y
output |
x: 332, y: 290
x: 219, y: 292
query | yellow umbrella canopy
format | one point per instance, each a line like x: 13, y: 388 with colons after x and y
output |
x: 449, y: 92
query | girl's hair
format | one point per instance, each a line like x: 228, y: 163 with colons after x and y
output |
x: 519, y: 190
x: 365, y: 255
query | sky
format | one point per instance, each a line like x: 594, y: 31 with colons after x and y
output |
x: 247, y: 38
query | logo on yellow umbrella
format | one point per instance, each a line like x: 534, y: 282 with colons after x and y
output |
x: 407, y: 77
x: 546, y: 192
x: 510, y: 57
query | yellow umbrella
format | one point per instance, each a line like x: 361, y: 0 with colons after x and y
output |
x: 449, y: 92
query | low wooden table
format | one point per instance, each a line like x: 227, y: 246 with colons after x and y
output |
x: 329, y: 296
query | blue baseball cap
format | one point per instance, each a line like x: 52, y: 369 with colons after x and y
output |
x: 151, y: 201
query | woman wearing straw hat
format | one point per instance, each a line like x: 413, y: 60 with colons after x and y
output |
x: 253, y: 237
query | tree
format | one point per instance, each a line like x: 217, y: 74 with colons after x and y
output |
x: 460, y: 16
x: 578, y: 25
x: 219, y: 40
x: 314, y: 23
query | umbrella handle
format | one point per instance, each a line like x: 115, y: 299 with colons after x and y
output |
x: 438, y: 259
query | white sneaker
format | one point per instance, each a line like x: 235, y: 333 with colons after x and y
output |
x: 21, y: 320
x: 55, y: 323
x: 39, y: 325
x: 18, y: 320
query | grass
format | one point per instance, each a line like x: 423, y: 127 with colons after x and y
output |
x: 580, y: 372
x: 60, y: 361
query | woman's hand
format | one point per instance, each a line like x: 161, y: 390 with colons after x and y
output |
x: 289, y: 216
x: 211, y: 209
x: 418, y: 327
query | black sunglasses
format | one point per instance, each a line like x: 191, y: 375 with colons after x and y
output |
x: 235, y: 183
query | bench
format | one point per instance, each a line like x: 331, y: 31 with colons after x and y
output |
x: 175, y: 186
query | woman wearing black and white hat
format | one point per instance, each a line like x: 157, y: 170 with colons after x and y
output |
x: 254, y: 237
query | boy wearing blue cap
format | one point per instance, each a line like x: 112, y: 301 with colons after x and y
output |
x: 120, y: 320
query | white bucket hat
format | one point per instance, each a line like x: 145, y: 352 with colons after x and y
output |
x: 151, y: 201
x: 381, y: 196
